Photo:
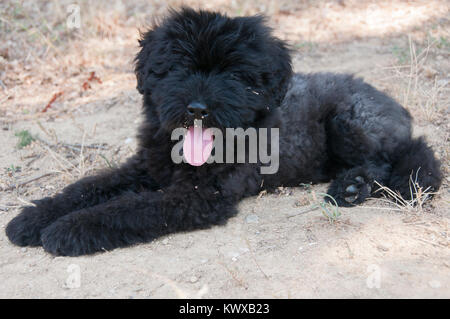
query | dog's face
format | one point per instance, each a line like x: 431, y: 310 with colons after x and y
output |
x: 228, y: 72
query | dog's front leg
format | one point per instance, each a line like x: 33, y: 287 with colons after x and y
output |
x: 25, y: 229
x: 136, y: 218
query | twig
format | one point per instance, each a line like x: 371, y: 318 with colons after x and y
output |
x: 382, y: 208
x: 25, y: 201
x: 53, y: 99
x: 36, y: 157
x: 11, y: 187
x: 75, y: 147
x: 307, y: 210
x: 55, y: 155
x: 429, y: 242
x: 254, y: 258
x: 94, y: 146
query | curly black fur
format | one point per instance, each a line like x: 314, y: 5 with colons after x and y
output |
x: 332, y: 127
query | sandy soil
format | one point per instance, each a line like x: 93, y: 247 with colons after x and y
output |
x: 377, y: 250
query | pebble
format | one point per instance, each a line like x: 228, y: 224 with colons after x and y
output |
x: 252, y: 219
x: 382, y: 248
x: 234, y: 256
x: 24, y: 250
x: 193, y: 279
x: 442, y: 82
x: 434, y: 284
x: 429, y: 72
x: 165, y: 241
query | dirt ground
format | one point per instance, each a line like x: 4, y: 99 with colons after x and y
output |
x: 275, y: 247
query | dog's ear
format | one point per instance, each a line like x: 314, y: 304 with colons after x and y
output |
x: 141, y: 59
x: 274, y: 60
x: 279, y: 73
x: 150, y: 62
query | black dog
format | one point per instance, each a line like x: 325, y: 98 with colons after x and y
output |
x: 231, y: 72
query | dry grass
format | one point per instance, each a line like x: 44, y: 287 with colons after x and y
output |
x: 40, y: 54
x: 419, y: 196
x: 420, y: 89
x: 44, y: 64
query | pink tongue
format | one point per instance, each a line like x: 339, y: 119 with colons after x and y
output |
x: 197, y: 145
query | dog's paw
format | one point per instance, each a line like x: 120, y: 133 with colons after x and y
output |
x: 25, y: 228
x: 72, y: 236
x: 350, y: 192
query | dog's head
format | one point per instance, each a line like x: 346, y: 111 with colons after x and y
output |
x: 228, y: 72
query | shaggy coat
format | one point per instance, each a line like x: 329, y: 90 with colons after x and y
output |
x: 332, y: 127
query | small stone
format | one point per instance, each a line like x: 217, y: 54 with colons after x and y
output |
x: 442, y: 82
x: 234, y: 256
x: 434, y: 284
x: 193, y: 279
x: 24, y: 250
x: 165, y: 241
x: 382, y: 248
x: 252, y: 219
x: 429, y: 72
x: 244, y: 250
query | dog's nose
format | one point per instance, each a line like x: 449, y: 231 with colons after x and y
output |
x: 197, y: 110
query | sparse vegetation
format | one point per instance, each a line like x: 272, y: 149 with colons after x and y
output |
x: 13, y: 169
x: 401, y: 46
x: 421, y: 90
x: 419, y: 196
x: 25, y: 138
x: 317, y: 200
x: 401, y: 54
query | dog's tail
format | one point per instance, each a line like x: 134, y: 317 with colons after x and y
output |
x: 415, y: 169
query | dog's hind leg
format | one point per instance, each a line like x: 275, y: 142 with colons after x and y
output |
x: 412, y: 169
x: 25, y: 228
x: 352, y: 186
x: 369, y: 143
x: 414, y: 166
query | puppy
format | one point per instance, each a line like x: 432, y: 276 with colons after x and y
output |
x: 229, y: 73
